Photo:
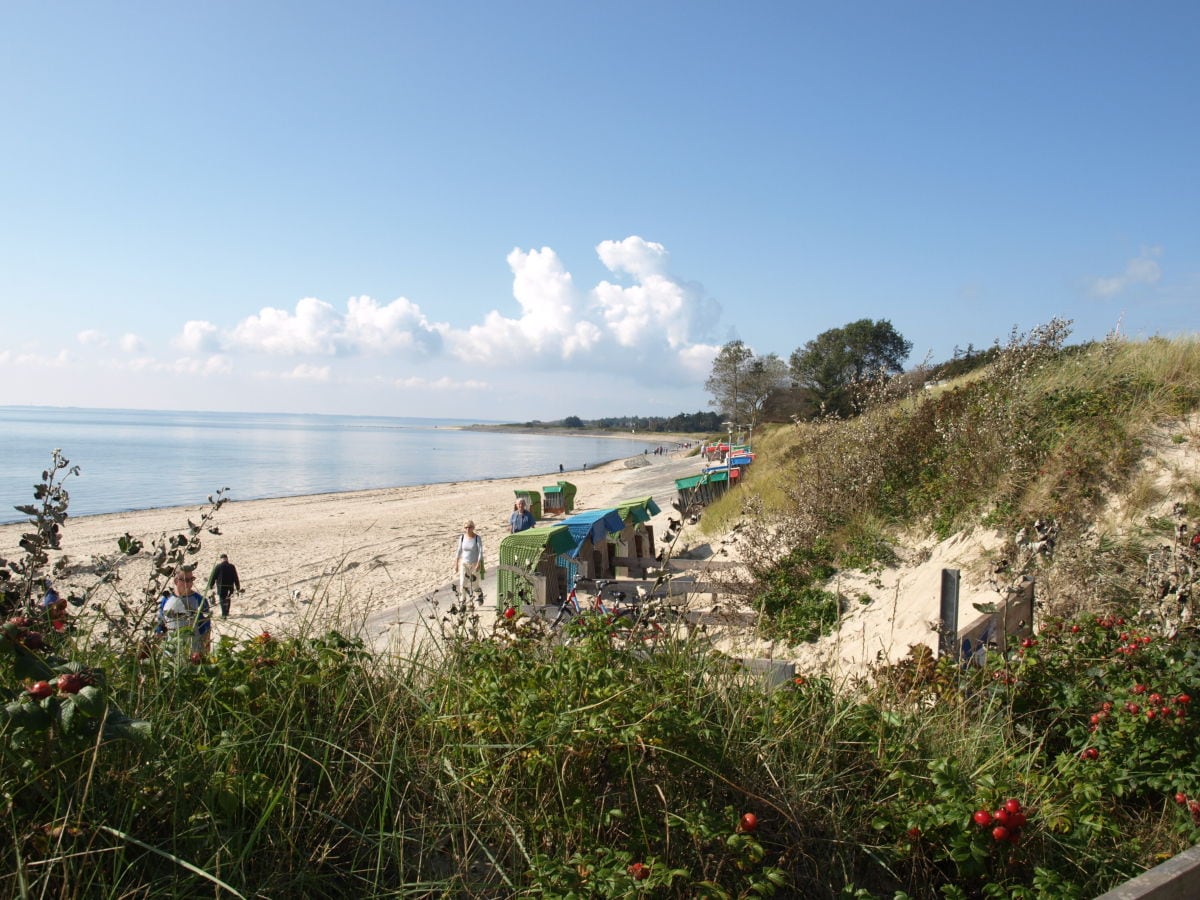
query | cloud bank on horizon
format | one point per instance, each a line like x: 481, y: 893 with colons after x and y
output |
x: 657, y: 323
x: 643, y: 323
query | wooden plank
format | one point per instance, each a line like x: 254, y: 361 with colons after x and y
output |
x: 637, y: 562
x: 683, y: 565
x: 689, y: 587
x: 657, y: 585
x: 682, y: 589
x: 676, y: 562
x: 1176, y: 879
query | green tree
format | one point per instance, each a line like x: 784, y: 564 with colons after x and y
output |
x: 572, y: 422
x: 727, y: 383
x: 837, y: 359
x: 764, y: 376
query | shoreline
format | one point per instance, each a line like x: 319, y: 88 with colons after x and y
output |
x: 553, y: 473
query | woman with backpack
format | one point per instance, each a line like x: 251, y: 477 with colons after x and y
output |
x: 468, y: 559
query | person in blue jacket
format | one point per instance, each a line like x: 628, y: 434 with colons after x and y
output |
x: 521, y: 517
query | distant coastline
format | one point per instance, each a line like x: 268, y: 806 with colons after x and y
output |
x: 649, y: 437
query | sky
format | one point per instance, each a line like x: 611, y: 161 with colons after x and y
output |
x: 529, y: 210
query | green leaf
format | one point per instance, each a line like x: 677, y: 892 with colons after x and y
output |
x: 27, y: 714
x: 90, y: 701
x: 123, y: 727
x: 66, y: 714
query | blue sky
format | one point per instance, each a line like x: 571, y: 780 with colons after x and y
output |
x: 534, y: 209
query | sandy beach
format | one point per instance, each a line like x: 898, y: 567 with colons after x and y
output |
x: 370, y: 563
x: 365, y: 560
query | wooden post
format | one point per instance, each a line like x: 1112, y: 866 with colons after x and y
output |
x: 606, y: 568
x: 948, y: 630
x: 625, y: 544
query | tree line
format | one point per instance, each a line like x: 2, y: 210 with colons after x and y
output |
x: 700, y: 422
x: 823, y: 375
x: 826, y: 375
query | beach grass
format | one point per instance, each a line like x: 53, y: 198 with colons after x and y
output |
x: 501, y: 765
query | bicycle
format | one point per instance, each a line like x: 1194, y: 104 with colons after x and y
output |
x: 631, y: 623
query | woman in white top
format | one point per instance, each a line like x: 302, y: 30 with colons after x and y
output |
x: 468, y: 557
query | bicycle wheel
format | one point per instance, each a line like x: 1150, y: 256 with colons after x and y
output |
x: 672, y: 622
x: 648, y: 628
x: 559, y: 625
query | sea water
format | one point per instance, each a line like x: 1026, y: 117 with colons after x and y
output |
x: 142, y: 459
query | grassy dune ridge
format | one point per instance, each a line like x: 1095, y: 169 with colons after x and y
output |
x: 499, y: 764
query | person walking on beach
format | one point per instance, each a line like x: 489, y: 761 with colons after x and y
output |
x: 468, y: 559
x: 183, y: 607
x: 225, y: 577
x: 521, y: 517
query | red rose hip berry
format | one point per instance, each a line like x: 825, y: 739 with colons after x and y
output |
x: 70, y: 683
x: 40, y: 690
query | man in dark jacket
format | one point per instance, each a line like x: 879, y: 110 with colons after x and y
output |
x: 225, y: 577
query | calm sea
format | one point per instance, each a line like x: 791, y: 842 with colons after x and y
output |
x: 136, y: 459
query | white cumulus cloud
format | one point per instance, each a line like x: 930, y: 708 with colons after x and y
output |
x: 91, y: 337
x: 131, y: 343
x: 199, y: 366
x: 310, y: 330
x: 642, y: 322
x: 644, y: 314
x: 306, y: 372
x: 658, y: 309
x: 696, y: 361
x: 198, y: 337
x: 1143, y: 269
x: 654, y: 322
x: 57, y: 360
x: 640, y: 258
x: 317, y: 328
x: 444, y: 383
x: 371, y: 328
x: 552, y: 326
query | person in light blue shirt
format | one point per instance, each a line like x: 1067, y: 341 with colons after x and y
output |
x: 521, y: 517
x: 184, y: 608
